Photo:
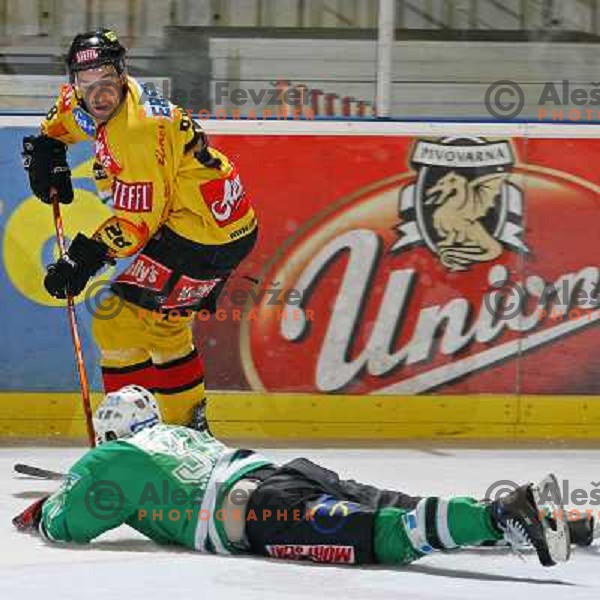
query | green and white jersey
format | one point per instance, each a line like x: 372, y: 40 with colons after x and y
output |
x: 167, y: 482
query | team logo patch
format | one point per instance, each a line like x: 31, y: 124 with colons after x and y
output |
x: 84, y: 121
x: 463, y: 206
x: 86, y: 55
x: 324, y: 553
x: 226, y: 198
x: 189, y: 291
x: 146, y: 273
x: 154, y: 104
x: 329, y: 514
x: 123, y: 237
x: 134, y: 196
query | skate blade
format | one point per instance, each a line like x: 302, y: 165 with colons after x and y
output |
x: 548, y: 500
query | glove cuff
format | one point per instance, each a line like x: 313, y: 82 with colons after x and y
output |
x: 88, y: 253
x: 44, y: 146
x: 30, y: 518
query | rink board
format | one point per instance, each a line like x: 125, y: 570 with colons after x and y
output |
x: 393, y: 336
x: 299, y: 417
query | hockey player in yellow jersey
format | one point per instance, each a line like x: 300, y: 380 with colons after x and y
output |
x: 178, y: 206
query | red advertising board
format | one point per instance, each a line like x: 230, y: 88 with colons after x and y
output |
x: 413, y: 265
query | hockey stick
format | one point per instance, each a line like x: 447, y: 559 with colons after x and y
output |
x: 37, y: 472
x: 83, y: 380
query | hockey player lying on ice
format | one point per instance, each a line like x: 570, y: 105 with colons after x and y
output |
x: 181, y: 486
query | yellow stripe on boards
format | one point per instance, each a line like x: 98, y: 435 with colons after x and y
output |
x: 269, y: 417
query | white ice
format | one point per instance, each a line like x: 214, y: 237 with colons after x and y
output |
x: 121, y: 564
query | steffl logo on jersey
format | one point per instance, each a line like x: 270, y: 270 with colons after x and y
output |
x: 133, y: 196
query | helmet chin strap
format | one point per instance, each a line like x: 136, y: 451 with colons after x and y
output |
x: 143, y: 424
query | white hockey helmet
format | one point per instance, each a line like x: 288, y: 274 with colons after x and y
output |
x: 125, y: 412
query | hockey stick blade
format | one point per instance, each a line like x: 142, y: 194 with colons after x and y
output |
x: 37, y: 472
x: 548, y: 500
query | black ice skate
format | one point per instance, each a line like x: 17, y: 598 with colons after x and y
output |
x: 199, y: 421
x: 583, y: 531
x: 532, y: 515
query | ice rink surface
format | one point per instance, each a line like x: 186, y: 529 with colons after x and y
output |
x: 121, y: 564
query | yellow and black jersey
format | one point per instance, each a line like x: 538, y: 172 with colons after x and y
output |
x: 146, y: 169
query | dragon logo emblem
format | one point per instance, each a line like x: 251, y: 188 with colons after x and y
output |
x: 463, y: 206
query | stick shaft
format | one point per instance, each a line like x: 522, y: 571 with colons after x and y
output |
x: 72, y: 315
x: 32, y: 471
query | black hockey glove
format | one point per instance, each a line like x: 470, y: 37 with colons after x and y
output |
x: 29, y: 519
x: 45, y: 160
x: 71, y: 273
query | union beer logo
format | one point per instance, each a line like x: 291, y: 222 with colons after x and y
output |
x: 405, y: 276
x: 463, y: 205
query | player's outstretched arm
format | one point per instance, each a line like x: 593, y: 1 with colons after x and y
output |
x: 90, y: 501
x: 68, y: 516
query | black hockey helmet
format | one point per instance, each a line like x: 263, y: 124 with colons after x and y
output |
x: 92, y: 49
